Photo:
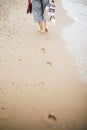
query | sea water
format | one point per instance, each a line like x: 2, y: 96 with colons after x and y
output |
x: 75, y: 34
x: 77, y: 9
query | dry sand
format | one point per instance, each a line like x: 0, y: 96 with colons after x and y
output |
x: 38, y: 75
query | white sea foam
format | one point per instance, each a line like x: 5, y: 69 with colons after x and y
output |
x: 77, y: 9
x: 75, y: 34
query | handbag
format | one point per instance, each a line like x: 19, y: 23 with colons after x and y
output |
x: 29, y: 8
x: 49, y: 13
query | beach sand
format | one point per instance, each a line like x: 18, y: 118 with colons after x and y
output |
x: 40, y: 87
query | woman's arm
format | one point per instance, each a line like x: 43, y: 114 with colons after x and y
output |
x: 30, y: 1
x: 52, y: 1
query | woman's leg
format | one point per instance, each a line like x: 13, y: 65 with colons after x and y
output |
x: 41, y: 25
x: 45, y: 27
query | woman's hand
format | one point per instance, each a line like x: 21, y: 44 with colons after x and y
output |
x: 30, y: 1
x: 52, y: 1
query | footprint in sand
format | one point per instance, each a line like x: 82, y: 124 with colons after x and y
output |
x: 47, y: 38
x: 50, y: 122
x: 13, y: 83
x: 52, y: 116
x: 27, y: 85
x: 3, y: 108
x: 42, y: 86
x: 43, y: 50
x: 24, y: 19
x: 49, y: 63
x: 42, y: 83
x: 20, y: 59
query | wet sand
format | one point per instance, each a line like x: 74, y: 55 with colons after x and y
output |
x: 38, y: 76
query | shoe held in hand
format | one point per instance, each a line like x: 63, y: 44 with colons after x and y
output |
x: 29, y: 8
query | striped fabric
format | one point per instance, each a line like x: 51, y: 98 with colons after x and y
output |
x: 37, y: 11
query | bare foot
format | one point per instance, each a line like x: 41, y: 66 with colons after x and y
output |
x: 43, y: 50
x: 40, y: 31
x: 46, y: 29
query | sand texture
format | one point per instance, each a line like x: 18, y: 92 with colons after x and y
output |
x: 40, y: 88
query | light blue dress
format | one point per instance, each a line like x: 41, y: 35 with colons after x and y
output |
x: 37, y: 9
